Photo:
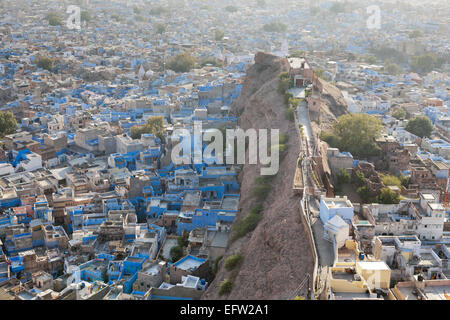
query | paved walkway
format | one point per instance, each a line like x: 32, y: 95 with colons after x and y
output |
x: 324, y: 248
x: 305, y: 121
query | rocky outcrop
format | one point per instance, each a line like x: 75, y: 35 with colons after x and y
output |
x: 334, y: 106
x: 335, y: 100
x: 277, y: 254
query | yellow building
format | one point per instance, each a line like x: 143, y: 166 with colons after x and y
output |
x: 376, y: 273
x: 358, y: 280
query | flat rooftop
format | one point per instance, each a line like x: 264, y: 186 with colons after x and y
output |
x: 338, y: 203
x: 346, y: 255
x: 189, y: 263
x: 428, y: 196
x: 218, y: 239
x: 230, y: 203
x: 153, y: 270
x: 192, y: 198
x: 373, y: 265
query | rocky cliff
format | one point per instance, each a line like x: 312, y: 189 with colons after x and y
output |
x: 334, y: 106
x: 277, y: 254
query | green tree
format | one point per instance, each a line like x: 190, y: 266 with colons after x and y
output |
x: 116, y: 17
x: 320, y: 73
x: 364, y: 194
x: 297, y: 53
x: 154, y: 125
x: 384, y: 52
x: 160, y: 28
x: 415, y: 34
x: 54, y: 19
x: 275, y: 27
x: 8, y: 123
x: 176, y: 253
x: 288, y: 97
x: 183, y: 62
x: 294, y: 102
x: 85, y: 16
x: 355, y: 133
x: 390, y: 180
x: 284, y: 84
x: 351, y: 56
x: 219, y: 34
x: 158, y: 10
x: 405, y: 181
x: 343, y: 177
x: 359, y: 179
x: 231, y: 9
x: 313, y: 10
x: 399, y: 113
x: 392, y: 69
x: 289, y: 113
x: 370, y: 59
x: 183, y: 241
x: 139, y: 18
x: 420, y: 126
x: 330, y: 138
x: 44, y: 63
x: 423, y: 63
x: 388, y: 196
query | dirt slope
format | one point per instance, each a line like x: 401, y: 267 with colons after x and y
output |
x: 277, y: 255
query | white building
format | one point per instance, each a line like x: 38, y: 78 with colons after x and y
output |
x: 32, y: 162
x: 432, y: 217
x: 192, y: 282
x: 424, y: 218
x: 125, y: 144
x: 329, y: 207
x: 338, y: 229
x: 6, y: 169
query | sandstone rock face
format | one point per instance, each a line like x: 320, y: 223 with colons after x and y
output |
x: 277, y: 254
